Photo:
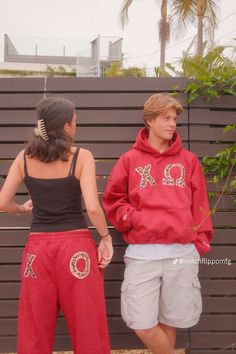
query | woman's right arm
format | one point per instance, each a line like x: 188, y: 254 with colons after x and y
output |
x: 11, y: 185
x: 95, y: 213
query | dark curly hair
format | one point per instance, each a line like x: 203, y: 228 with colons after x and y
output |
x: 56, y: 112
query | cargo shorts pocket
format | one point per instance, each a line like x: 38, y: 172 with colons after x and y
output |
x: 125, y: 302
x: 197, y: 298
x: 188, y: 302
x: 131, y: 311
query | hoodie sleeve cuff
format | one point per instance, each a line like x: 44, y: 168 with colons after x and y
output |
x: 127, y: 220
x: 202, y: 244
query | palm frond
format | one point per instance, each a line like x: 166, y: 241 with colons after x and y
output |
x: 184, y: 10
x: 214, y: 58
x: 124, y: 18
x: 212, y: 12
x: 192, y: 67
x: 213, y: 62
x: 183, y: 13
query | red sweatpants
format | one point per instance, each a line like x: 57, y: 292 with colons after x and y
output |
x: 60, y: 270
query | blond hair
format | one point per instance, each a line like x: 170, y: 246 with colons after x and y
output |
x: 158, y: 104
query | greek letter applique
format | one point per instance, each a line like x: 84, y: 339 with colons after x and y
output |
x: 168, y: 180
x: 146, y: 177
x: 29, y: 270
x: 73, y: 265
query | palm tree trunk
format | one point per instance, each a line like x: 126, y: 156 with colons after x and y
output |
x: 162, y: 53
x: 201, y: 9
x: 164, y: 33
x: 200, y: 36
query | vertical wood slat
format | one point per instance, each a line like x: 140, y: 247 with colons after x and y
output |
x: 115, y: 106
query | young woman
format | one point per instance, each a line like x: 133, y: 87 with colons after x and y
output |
x: 61, y: 266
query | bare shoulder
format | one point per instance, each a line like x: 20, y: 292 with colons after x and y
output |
x: 20, y: 158
x: 18, y: 164
x: 20, y: 155
x: 20, y: 161
x: 85, y: 163
x: 85, y: 155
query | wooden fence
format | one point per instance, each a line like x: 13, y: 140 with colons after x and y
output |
x: 109, y: 117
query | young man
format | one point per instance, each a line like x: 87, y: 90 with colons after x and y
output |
x: 156, y: 196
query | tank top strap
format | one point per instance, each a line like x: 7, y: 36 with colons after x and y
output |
x: 73, y: 163
x: 25, y: 165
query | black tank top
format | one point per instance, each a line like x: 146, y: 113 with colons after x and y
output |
x: 56, y: 202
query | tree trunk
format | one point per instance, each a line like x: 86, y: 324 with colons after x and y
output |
x: 162, y: 54
x: 201, y: 10
x: 200, y: 36
x: 163, y: 33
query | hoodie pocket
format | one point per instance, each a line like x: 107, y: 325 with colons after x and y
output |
x: 163, y: 225
x: 135, y: 218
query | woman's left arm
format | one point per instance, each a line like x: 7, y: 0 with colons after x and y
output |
x: 11, y: 185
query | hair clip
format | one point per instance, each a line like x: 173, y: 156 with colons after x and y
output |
x: 41, y: 130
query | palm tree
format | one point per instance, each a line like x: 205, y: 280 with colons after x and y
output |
x: 164, y: 33
x: 164, y: 27
x: 183, y: 13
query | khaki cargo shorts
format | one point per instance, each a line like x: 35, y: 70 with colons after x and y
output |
x: 162, y: 291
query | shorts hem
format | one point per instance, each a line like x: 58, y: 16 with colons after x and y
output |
x: 186, y: 324
x: 136, y: 326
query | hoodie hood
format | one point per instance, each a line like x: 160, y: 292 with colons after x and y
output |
x: 142, y: 144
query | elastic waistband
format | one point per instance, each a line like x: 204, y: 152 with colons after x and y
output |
x: 80, y: 233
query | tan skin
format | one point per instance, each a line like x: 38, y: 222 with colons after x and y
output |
x: 85, y: 172
x: 161, y: 338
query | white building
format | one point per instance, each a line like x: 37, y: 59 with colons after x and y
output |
x: 92, y: 62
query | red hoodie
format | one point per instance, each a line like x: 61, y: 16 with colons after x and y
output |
x: 154, y: 197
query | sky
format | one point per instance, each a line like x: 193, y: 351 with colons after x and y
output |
x: 75, y: 23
